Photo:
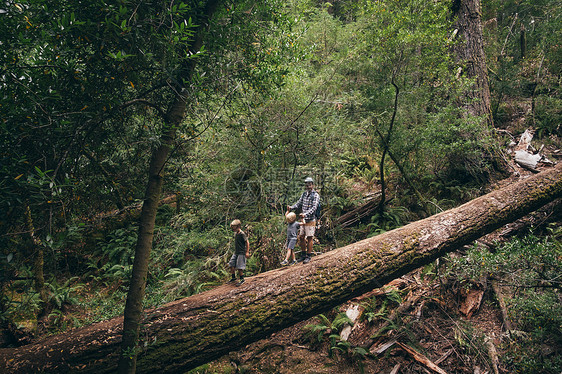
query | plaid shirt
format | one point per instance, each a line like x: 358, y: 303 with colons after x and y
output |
x: 308, y: 202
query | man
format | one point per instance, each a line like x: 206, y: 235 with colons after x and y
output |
x: 308, y: 203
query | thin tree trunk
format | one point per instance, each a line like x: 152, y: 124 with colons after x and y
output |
x: 38, y: 263
x: 523, y: 41
x: 385, y: 141
x: 189, y: 332
x: 133, y: 307
x: 401, y: 169
x: 133, y: 313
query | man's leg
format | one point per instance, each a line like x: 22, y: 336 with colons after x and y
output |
x: 309, y: 243
x: 309, y: 232
x: 302, y: 243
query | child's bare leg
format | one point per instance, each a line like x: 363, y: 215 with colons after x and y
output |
x: 232, y: 274
x: 290, y: 255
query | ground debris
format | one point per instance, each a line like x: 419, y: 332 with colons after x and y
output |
x: 418, y: 335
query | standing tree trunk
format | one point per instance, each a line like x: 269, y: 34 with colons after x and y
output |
x: 38, y: 264
x: 133, y: 314
x: 133, y: 307
x: 470, y: 52
x: 385, y: 147
x: 189, y: 332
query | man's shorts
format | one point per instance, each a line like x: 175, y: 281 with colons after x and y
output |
x: 308, y: 229
x: 238, y: 261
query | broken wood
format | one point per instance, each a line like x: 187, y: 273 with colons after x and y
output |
x: 528, y: 160
x: 524, y: 153
x: 421, y: 358
x: 353, y: 314
x: 187, y: 333
x: 524, y: 143
x: 393, y: 286
x: 395, y: 369
x: 472, y: 300
x: 503, y: 307
x: 493, y: 353
x: 383, y: 347
x: 444, y: 357
x: 360, y: 213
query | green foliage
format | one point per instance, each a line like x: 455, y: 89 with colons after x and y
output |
x: 524, y: 53
x: 60, y: 322
x: 65, y: 293
x: 279, y: 86
x: 548, y: 115
x: 103, y: 305
x: 113, y: 258
x: 376, y: 310
x: 326, y: 328
x: 389, y: 219
x: 196, y: 276
x: 531, y: 266
x: 470, y: 340
x: 321, y: 328
x: 19, y: 307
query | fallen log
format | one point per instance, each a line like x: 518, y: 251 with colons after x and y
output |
x: 421, y: 359
x: 189, y: 332
x: 360, y: 213
x: 503, y: 307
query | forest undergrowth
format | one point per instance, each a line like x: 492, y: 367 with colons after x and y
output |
x: 446, y: 317
x: 369, y: 98
x: 425, y: 311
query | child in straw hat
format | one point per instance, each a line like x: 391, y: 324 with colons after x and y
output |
x: 292, y: 231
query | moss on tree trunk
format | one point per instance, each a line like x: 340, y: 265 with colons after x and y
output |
x: 189, y: 332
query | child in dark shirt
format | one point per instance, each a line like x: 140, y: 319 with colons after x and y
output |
x: 241, y: 252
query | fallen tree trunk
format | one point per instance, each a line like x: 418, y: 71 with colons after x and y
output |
x: 189, y: 332
x: 359, y: 213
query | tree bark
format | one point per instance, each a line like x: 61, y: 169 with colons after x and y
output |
x: 470, y: 52
x: 189, y: 332
x: 477, y: 99
x: 133, y: 307
x: 176, y: 113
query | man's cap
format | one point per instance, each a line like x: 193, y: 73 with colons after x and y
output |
x: 308, y: 180
x: 236, y: 222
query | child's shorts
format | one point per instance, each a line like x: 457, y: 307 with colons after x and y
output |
x: 291, y: 243
x: 238, y: 261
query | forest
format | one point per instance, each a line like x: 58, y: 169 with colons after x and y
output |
x: 133, y: 132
